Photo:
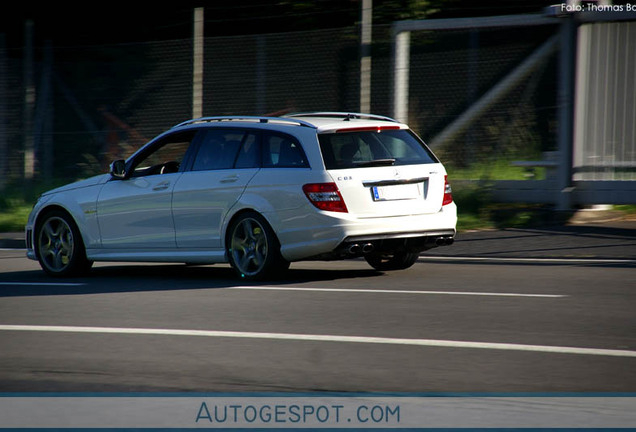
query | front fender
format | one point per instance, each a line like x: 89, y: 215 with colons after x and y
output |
x: 80, y: 204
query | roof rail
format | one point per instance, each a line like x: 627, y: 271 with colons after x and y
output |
x: 255, y: 119
x: 344, y: 115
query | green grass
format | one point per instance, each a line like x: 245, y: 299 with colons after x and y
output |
x: 476, y: 210
x: 496, y: 170
x: 13, y: 215
x: 16, y: 202
x: 627, y: 209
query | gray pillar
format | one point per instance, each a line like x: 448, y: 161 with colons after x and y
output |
x: 29, y: 103
x: 365, y: 56
x: 567, y: 40
x: 43, y: 118
x: 197, y: 72
x: 4, y: 140
x: 261, y: 75
x: 401, y: 59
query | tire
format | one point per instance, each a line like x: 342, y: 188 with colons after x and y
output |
x: 394, y: 261
x: 59, y: 246
x: 253, y: 249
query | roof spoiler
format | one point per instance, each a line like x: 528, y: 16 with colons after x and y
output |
x: 345, y: 116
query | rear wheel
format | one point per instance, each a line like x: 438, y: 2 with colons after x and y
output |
x: 391, y: 261
x: 59, y: 246
x: 253, y: 249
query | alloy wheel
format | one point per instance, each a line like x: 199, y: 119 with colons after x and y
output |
x: 249, y: 246
x: 56, y: 244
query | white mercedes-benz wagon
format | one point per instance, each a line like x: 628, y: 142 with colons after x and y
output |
x: 255, y: 192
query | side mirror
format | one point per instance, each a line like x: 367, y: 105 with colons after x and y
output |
x: 118, y: 169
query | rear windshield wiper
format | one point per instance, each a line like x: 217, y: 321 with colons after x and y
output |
x: 375, y: 162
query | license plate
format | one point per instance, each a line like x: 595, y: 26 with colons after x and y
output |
x: 397, y: 192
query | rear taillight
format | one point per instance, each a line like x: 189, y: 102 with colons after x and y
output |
x: 325, y: 196
x: 448, y: 192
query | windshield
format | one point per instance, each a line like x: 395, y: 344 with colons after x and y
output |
x: 355, y: 149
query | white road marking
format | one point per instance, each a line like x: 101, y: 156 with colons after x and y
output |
x: 529, y: 260
x: 42, y: 284
x: 341, y: 290
x: 325, y: 338
x: 385, y: 291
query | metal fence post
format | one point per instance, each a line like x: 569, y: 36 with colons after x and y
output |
x: 401, y: 59
x: 261, y: 74
x: 29, y: 103
x: 567, y: 40
x: 197, y: 72
x: 4, y: 140
x: 365, y: 56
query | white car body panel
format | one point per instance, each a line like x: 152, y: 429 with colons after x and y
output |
x: 137, y: 213
x: 80, y: 200
x: 200, y: 203
x: 423, y: 190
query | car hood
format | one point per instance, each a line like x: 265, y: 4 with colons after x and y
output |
x: 92, y: 181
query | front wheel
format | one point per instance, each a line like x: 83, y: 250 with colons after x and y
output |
x: 253, y: 249
x: 59, y: 246
x: 391, y: 261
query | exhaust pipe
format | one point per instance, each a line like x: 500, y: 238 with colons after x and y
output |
x: 444, y: 241
x: 368, y: 248
x: 355, y: 249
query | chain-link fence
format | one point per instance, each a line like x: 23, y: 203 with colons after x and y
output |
x: 94, y: 104
x: 452, y: 71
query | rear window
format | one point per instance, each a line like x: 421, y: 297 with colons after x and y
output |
x: 372, y: 148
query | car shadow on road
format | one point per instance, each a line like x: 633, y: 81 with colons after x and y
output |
x: 140, y: 278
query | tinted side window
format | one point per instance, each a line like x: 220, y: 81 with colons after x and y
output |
x: 249, y: 156
x: 164, y: 156
x: 282, y: 151
x: 221, y: 148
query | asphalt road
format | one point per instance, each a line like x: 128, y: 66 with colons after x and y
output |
x: 503, y: 311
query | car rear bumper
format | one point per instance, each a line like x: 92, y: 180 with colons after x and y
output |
x: 328, y: 235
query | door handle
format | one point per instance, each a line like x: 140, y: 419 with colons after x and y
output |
x: 229, y: 179
x: 161, y: 186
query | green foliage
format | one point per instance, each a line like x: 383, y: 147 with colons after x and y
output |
x: 388, y: 11
x: 472, y: 199
x: 501, y: 169
x: 14, y: 217
x: 477, y: 210
x: 496, y: 139
x: 626, y: 208
x: 13, y: 213
x: 16, y: 202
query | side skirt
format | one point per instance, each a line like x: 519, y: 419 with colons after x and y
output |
x: 159, y: 255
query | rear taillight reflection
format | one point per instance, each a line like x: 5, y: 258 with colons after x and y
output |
x: 325, y: 196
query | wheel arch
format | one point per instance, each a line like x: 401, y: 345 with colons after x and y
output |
x: 257, y: 255
x: 49, y: 208
x: 230, y: 220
